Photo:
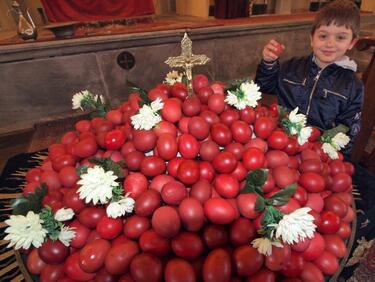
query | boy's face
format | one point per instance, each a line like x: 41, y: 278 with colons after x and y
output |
x: 331, y: 42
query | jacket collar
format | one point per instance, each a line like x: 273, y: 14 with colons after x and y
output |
x: 345, y: 62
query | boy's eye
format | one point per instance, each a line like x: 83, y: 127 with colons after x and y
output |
x: 322, y: 36
x: 341, y: 37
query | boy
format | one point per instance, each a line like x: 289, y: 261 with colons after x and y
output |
x: 323, y: 85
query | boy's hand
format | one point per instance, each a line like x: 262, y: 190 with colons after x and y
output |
x: 272, y: 50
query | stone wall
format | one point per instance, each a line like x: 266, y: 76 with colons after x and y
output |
x: 39, y: 79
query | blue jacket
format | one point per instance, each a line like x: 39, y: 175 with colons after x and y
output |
x: 328, y: 97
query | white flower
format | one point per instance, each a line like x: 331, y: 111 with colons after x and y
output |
x: 293, y: 130
x: 296, y: 226
x: 79, y: 97
x: 330, y: 151
x: 304, y: 135
x: 66, y: 235
x: 96, y: 185
x: 247, y: 95
x: 297, y: 118
x: 64, y: 214
x: 76, y: 101
x: 296, y: 126
x: 173, y: 77
x: 24, y: 231
x: 264, y: 245
x: 120, y: 208
x: 101, y: 97
x: 157, y: 105
x: 340, y: 140
x: 148, y: 116
x: 232, y: 99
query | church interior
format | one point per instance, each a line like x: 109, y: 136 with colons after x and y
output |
x: 69, y: 52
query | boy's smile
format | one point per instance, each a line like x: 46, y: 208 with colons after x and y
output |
x: 330, y: 43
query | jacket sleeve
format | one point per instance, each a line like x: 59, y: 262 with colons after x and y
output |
x: 267, y: 76
x: 351, y: 116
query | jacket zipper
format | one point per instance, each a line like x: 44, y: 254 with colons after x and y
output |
x: 296, y: 83
x: 312, y: 91
x: 333, y: 93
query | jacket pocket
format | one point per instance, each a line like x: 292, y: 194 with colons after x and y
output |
x: 302, y: 83
x: 327, y: 92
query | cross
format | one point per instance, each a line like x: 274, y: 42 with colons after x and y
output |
x: 187, y: 60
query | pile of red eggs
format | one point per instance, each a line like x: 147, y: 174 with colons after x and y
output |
x: 190, y: 221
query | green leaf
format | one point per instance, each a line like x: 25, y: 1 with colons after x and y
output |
x: 282, y: 197
x: 142, y: 93
x: 82, y: 169
x: 333, y: 131
x: 100, y: 109
x: 31, y: 202
x: 271, y: 215
x: 257, y: 177
x: 52, y: 226
x: 115, y: 167
x: 117, y: 193
x: 107, y: 164
x: 20, y: 206
x: 233, y: 85
x: 259, y: 191
x: 286, y: 124
x: 283, y: 112
x: 107, y: 105
x: 247, y: 189
x: 259, y: 204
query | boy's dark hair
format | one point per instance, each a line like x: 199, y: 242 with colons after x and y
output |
x: 341, y: 13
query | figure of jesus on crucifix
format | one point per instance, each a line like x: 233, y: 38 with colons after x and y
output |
x: 187, y: 60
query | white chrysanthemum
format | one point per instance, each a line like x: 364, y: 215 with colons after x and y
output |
x: 64, y: 214
x: 297, y: 118
x: 148, y: 116
x: 120, y: 208
x: 296, y: 126
x: 96, y: 185
x: 173, y: 77
x: 76, y: 101
x: 232, y: 99
x: 330, y: 151
x: 304, y: 135
x: 66, y: 235
x: 340, y: 140
x: 79, y: 97
x: 101, y: 97
x: 264, y: 245
x: 296, y: 226
x: 247, y: 95
x: 157, y: 105
x: 24, y: 231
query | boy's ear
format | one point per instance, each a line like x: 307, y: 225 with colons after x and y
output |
x: 352, y: 44
x: 311, y: 41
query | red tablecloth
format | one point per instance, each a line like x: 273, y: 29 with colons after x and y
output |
x: 92, y: 10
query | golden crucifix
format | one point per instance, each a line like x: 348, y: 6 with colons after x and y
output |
x: 187, y: 60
